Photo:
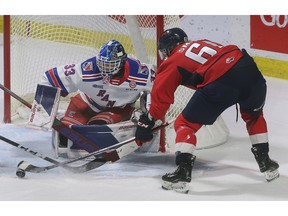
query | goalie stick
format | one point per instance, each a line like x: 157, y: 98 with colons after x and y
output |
x: 79, y: 169
x: 60, y: 127
x: 124, y: 148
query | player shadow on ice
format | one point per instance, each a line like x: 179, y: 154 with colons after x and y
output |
x: 234, y: 180
x: 241, y: 184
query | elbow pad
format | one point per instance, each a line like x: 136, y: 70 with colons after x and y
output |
x: 190, y: 78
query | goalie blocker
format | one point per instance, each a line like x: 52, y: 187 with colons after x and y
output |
x: 44, y: 107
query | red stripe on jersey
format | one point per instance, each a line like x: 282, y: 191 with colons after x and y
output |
x: 54, y: 79
x: 91, y: 76
x: 136, y: 79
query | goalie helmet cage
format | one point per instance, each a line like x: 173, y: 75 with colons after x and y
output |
x: 34, y: 44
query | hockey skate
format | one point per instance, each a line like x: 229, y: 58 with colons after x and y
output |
x: 179, y: 179
x: 266, y: 165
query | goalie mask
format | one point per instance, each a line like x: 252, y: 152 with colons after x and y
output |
x: 169, y: 40
x: 111, y: 58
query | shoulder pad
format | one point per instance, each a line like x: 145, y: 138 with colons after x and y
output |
x: 137, y: 69
x: 88, y: 65
x: 90, y: 71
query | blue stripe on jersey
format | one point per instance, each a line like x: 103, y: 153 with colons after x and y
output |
x: 88, y: 72
x: 52, y: 77
x: 59, y: 81
x: 49, y: 78
x: 91, y: 79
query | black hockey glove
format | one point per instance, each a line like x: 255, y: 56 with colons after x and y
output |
x: 144, y: 130
x: 189, y: 78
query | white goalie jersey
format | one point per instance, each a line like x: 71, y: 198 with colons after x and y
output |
x: 98, y: 91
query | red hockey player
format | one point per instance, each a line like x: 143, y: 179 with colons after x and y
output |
x: 222, y: 76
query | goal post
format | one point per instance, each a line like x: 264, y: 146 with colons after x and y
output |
x: 7, y: 68
x: 34, y: 44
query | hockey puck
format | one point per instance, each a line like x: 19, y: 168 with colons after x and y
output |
x: 20, y: 173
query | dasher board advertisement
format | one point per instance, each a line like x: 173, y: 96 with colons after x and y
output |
x: 270, y: 33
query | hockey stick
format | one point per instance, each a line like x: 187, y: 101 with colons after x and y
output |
x: 79, y: 169
x: 113, y: 155
x: 24, y: 167
x: 60, y: 127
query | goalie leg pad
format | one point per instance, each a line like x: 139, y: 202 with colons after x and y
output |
x: 74, y: 152
x: 63, y: 147
x: 59, y: 144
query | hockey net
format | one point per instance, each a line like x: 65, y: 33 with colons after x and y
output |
x: 38, y: 43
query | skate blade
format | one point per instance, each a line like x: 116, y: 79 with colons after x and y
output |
x: 180, y: 187
x: 62, y: 152
x: 271, y: 175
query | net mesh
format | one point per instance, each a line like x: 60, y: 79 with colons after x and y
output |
x: 39, y: 43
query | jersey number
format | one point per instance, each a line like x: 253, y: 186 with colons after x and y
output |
x: 69, y: 69
x: 199, y: 56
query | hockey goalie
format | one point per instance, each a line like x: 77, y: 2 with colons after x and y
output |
x: 108, y: 88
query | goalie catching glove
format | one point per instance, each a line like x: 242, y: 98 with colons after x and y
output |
x: 144, y: 129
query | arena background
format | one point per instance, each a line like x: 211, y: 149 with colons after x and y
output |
x: 264, y: 36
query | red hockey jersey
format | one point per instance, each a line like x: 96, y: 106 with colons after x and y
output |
x: 211, y: 60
